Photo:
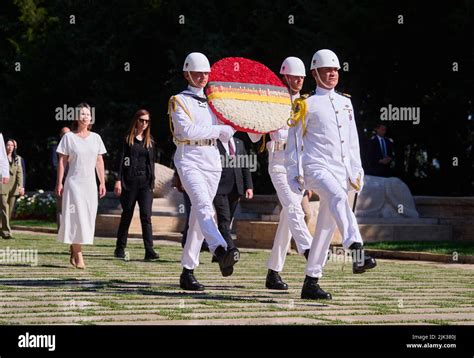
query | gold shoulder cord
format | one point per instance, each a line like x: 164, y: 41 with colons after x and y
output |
x: 298, y: 112
x: 172, y: 104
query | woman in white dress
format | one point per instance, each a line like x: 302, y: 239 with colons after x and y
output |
x: 82, y: 151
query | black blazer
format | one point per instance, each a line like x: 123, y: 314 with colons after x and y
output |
x: 375, y: 154
x: 236, y: 175
x: 123, y: 171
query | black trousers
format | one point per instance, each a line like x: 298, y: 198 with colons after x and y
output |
x: 225, y: 205
x: 138, y: 191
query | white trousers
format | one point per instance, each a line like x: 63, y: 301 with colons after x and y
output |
x: 334, y: 212
x: 201, y: 187
x: 291, y: 223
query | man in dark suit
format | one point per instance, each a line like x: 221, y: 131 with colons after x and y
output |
x: 380, y: 153
x: 236, y: 181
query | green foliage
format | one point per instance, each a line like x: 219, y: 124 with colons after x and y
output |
x: 40, y: 205
x: 437, y: 247
x: 405, y: 65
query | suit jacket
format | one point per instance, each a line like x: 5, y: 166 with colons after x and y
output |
x: 375, y: 154
x: 16, y: 179
x: 23, y: 167
x: 241, y: 177
x: 123, y: 171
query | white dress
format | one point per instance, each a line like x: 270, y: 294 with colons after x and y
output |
x: 80, y: 195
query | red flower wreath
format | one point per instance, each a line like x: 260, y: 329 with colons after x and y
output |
x: 241, y: 79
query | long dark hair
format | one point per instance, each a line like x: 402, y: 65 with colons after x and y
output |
x: 14, y: 155
x: 133, y: 125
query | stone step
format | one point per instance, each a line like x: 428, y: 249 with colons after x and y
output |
x: 398, y: 221
x: 260, y: 234
x: 402, y: 232
x: 107, y: 224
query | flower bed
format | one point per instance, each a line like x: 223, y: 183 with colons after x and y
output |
x: 40, y: 206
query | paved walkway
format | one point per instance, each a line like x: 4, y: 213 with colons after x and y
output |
x: 112, y: 291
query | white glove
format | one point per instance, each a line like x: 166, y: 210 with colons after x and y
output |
x: 226, y: 133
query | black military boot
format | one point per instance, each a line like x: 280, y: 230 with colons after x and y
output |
x: 360, y: 261
x: 274, y: 281
x: 119, y: 253
x: 227, y: 259
x: 151, y: 255
x: 312, y: 291
x: 188, y: 282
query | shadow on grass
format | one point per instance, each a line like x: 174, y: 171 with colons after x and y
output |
x: 120, y: 287
x: 82, y: 285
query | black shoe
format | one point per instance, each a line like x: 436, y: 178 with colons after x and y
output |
x: 151, y: 256
x: 306, y: 254
x: 9, y: 237
x: 274, y: 281
x: 312, y: 291
x: 226, y: 258
x: 214, y: 257
x: 360, y: 261
x: 188, y: 282
x: 119, y: 253
x: 227, y: 271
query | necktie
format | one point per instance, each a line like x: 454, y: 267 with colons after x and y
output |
x: 231, y: 149
x: 384, y: 148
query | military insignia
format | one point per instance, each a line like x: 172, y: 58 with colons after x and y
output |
x: 349, y: 110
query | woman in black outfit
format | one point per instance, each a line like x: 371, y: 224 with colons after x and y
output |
x: 135, y: 182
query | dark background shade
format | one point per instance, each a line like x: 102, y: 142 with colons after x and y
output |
x: 407, y: 65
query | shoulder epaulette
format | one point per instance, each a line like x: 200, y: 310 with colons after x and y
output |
x: 344, y: 94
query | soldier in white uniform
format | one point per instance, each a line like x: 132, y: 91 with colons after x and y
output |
x: 4, y: 165
x: 198, y: 163
x: 332, y: 167
x: 292, y: 218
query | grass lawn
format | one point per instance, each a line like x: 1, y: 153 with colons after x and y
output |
x: 122, y: 292
x: 436, y: 247
x: 33, y: 223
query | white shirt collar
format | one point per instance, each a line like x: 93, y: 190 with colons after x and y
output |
x: 322, y: 91
x: 196, y: 91
x: 294, y: 96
